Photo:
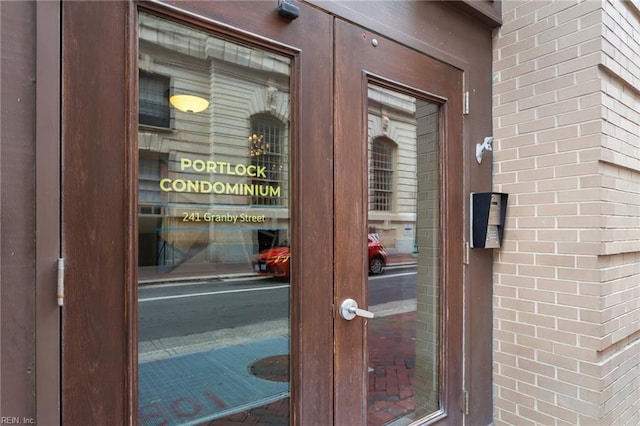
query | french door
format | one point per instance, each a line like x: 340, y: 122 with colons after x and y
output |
x: 285, y: 251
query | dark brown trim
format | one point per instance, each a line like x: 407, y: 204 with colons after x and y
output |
x: 487, y: 11
x: 405, y: 22
x: 219, y: 20
x: 47, y: 211
x: 130, y: 278
x: 95, y: 195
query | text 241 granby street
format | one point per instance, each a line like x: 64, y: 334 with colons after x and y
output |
x: 224, y: 218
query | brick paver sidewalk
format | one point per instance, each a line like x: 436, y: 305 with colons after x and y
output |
x: 392, y: 342
x: 391, y: 378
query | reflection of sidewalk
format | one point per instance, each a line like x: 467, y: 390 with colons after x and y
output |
x: 391, y: 387
x: 216, y: 271
x: 190, y: 389
x: 392, y: 359
x: 192, y: 272
x: 202, y: 386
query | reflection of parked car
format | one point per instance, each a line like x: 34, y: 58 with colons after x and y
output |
x: 274, y: 261
x: 377, y: 255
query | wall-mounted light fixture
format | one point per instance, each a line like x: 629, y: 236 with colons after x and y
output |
x: 484, y: 146
x: 189, y: 103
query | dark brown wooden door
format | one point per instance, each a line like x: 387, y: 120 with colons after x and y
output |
x: 106, y: 153
x: 398, y: 178
x: 355, y: 103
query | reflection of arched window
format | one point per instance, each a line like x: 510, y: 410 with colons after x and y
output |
x: 381, y: 176
x: 267, y: 153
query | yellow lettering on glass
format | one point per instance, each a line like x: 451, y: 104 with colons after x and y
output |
x: 207, y: 187
x: 220, y: 167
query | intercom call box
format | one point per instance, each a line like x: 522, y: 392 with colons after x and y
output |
x: 488, y: 214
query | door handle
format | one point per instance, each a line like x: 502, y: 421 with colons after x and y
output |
x: 349, y: 310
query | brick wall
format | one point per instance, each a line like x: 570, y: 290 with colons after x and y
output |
x: 567, y: 149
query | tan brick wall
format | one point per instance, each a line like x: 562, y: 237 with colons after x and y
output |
x: 567, y: 150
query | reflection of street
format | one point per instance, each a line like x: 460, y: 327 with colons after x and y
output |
x: 397, y: 285
x: 203, y: 313
x: 182, y: 309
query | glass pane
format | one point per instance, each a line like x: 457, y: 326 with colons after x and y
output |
x: 404, y: 258
x: 213, y: 229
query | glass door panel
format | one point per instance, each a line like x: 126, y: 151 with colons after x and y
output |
x: 404, y: 257
x: 398, y: 168
x: 214, y: 227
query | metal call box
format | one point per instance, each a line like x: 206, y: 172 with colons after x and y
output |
x: 488, y: 214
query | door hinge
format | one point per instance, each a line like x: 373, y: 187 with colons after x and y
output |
x: 465, y: 402
x: 465, y: 251
x: 465, y: 103
x: 60, y: 290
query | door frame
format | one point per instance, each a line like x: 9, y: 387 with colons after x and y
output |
x: 98, y: 337
x: 95, y: 65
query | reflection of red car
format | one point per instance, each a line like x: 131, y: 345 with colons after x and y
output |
x: 274, y: 261
x: 377, y: 255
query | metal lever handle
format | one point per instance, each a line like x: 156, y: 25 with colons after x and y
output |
x: 349, y: 310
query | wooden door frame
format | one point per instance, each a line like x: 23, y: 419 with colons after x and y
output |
x: 98, y: 339
x: 100, y: 226
x: 99, y: 190
x: 358, y: 60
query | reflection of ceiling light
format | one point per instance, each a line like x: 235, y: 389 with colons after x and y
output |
x: 189, y: 103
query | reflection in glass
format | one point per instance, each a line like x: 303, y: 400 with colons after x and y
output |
x: 213, y: 203
x: 404, y: 215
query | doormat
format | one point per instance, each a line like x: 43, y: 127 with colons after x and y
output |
x: 194, y: 388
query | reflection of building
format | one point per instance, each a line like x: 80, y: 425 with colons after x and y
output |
x: 392, y: 168
x: 403, y: 132
x: 233, y: 157
x: 218, y: 177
